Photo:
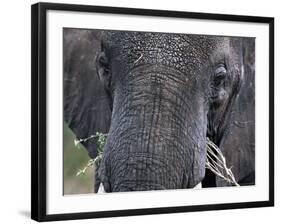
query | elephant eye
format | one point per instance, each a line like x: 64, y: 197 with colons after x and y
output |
x: 220, y: 69
x: 220, y: 74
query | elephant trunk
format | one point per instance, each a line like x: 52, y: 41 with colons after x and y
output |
x: 154, y: 141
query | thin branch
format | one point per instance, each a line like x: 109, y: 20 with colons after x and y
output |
x: 217, y: 164
x: 76, y: 141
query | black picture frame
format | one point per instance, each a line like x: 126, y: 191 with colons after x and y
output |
x: 39, y: 122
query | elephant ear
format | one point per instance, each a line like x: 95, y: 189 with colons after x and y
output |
x: 86, y: 104
x: 238, y: 142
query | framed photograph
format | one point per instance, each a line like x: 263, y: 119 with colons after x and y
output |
x: 138, y: 111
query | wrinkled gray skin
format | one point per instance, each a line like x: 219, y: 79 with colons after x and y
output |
x: 167, y: 93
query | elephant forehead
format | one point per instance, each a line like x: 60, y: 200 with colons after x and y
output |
x: 187, y: 43
x: 181, y: 51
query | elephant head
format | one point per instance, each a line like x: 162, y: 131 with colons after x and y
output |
x: 164, y: 95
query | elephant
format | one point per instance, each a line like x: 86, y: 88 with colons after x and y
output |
x: 159, y: 96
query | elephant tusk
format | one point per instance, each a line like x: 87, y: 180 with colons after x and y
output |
x: 101, y: 189
x: 198, y: 186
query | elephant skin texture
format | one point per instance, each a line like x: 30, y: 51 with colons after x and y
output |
x: 159, y: 96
